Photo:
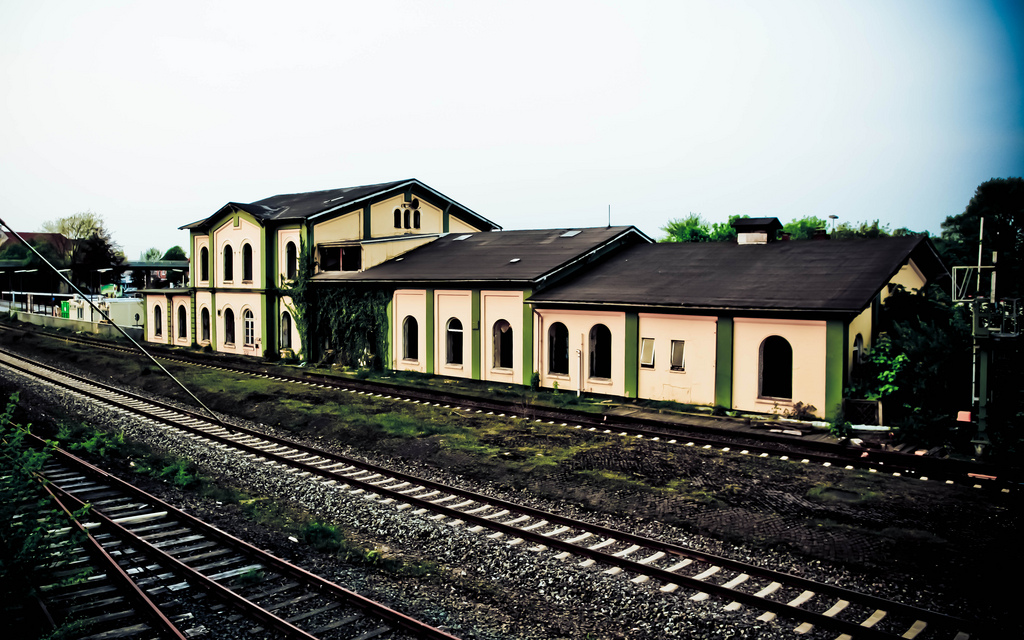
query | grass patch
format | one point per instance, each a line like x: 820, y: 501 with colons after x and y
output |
x: 829, y: 492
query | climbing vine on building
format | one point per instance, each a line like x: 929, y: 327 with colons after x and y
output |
x: 345, y: 323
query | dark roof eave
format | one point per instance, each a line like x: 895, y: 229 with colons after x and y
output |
x: 695, y: 308
x: 421, y: 283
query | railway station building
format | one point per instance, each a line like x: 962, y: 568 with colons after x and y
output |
x: 245, y: 254
x: 759, y: 324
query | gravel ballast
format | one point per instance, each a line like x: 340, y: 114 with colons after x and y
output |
x: 489, y: 589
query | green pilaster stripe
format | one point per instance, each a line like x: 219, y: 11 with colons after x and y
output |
x: 632, y: 353
x: 192, y: 313
x: 269, y: 285
x: 429, y: 331
x: 527, y: 339
x: 835, y: 352
x: 388, y: 348
x: 367, y: 229
x: 169, y: 328
x: 723, y: 363
x: 266, y: 325
x: 213, y: 320
x: 475, y: 322
x: 446, y: 218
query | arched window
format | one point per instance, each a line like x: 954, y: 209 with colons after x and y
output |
x: 503, y: 344
x: 600, y: 352
x: 247, y: 262
x: 249, y: 326
x: 453, y: 338
x: 182, y: 321
x: 291, y: 261
x: 286, y: 330
x: 204, y: 322
x: 416, y: 219
x: 776, y: 368
x: 408, y: 213
x: 204, y: 264
x: 229, y: 326
x: 858, y: 349
x: 558, y: 349
x: 229, y: 264
x: 158, y: 321
x: 398, y: 218
x: 410, y: 339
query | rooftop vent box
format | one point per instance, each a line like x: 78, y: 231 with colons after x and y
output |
x: 756, y: 230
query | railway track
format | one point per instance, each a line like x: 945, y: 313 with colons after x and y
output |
x: 760, y: 439
x: 803, y: 603
x: 187, y: 563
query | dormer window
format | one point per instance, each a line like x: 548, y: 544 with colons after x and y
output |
x: 343, y: 258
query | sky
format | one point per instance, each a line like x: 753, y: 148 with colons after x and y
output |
x: 533, y: 114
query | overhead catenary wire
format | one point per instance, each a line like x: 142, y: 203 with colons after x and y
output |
x: 114, y: 324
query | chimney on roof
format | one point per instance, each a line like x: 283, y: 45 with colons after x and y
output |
x: 756, y: 230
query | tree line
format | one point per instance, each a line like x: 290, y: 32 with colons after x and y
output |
x: 87, y: 248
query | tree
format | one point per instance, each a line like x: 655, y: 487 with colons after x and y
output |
x: 150, y: 255
x: 692, y: 228
x: 92, y: 247
x: 920, y: 366
x: 1000, y: 202
x: 803, y: 228
x: 863, y: 230
x: 175, y: 253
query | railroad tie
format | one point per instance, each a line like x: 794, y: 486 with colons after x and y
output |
x: 915, y: 629
x: 768, y: 616
x: 700, y: 596
x: 732, y: 584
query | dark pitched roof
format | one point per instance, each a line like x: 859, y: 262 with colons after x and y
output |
x: 521, y: 257
x: 835, y: 276
x: 302, y: 206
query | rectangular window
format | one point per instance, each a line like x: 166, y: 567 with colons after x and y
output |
x: 330, y: 258
x: 647, y: 353
x: 677, y: 362
x: 351, y: 258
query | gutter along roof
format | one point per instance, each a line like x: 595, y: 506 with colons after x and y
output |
x: 827, y: 277
x: 531, y: 257
x: 309, y: 206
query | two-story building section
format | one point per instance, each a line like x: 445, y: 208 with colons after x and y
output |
x: 244, y: 255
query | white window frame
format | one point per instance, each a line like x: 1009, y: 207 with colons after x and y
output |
x: 681, y: 366
x: 249, y: 328
x: 647, y: 353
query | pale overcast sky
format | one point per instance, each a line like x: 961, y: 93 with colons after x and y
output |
x: 533, y: 114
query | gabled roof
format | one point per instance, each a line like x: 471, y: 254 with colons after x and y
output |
x: 311, y: 205
x: 830, y: 276
x: 531, y: 257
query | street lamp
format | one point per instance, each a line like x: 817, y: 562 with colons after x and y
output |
x: 21, y: 282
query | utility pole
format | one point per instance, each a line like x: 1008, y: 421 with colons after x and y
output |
x: 992, y: 321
